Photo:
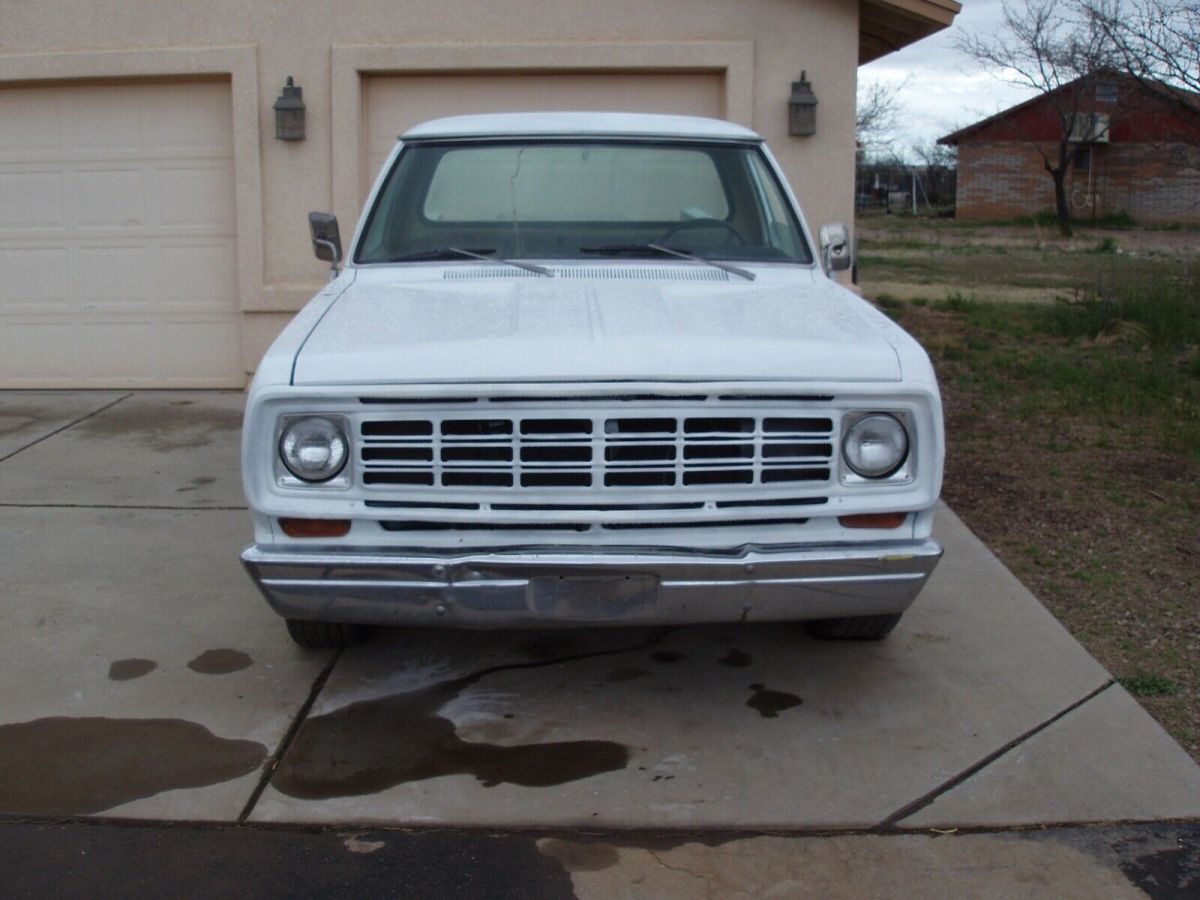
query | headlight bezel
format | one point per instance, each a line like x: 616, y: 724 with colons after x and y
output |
x: 902, y: 473
x: 286, y: 477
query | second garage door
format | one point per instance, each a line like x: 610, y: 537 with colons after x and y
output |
x: 397, y: 102
x: 117, y: 237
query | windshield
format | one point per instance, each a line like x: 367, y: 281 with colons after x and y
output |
x: 581, y: 200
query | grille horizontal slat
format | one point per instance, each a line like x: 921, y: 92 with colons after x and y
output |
x: 615, y: 452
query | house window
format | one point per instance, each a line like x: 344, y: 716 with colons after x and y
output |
x: 1106, y: 92
x: 1083, y: 159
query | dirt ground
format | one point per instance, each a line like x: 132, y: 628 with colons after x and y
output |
x: 1094, y: 502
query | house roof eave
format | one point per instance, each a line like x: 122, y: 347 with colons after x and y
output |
x: 885, y: 26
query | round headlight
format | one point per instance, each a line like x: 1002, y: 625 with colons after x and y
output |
x: 313, y: 449
x: 875, y: 446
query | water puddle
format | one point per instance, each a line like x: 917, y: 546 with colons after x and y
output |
x: 372, y: 745
x: 738, y: 659
x: 550, y: 646
x: 771, y: 703
x: 68, y: 766
x: 220, y: 662
x: 128, y: 669
x: 668, y: 656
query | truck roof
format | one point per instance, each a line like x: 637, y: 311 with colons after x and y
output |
x: 584, y: 124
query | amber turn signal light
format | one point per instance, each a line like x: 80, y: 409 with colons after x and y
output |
x: 874, y: 520
x: 315, y: 528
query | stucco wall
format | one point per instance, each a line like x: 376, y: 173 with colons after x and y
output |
x: 324, y: 46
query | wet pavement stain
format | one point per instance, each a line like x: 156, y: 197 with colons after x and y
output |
x: 1169, y: 873
x: 372, y: 745
x: 128, y: 669
x: 738, y: 659
x: 164, y: 428
x: 543, y: 648
x: 198, y: 482
x: 619, y: 675
x: 668, y: 656
x: 771, y: 703
x: 220, y: 662
x: 579, y: 857
x: 11, y: 423
x: 66, y: 766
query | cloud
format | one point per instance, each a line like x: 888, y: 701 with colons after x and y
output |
x: 945, y: 89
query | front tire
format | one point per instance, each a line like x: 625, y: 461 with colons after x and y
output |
x: 326, y: 635
x: 853, y: 628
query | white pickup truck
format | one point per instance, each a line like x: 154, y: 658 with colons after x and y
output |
x: 588, y: 369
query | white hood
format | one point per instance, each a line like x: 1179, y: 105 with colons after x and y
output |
x: 400, y: 325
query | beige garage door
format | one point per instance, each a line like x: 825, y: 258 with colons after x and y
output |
x: 117, y: 250
x: 397, y: 102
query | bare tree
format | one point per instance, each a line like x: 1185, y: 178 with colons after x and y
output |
x: 1059, y: 54
x: 1156, y: 41
x: 878, y: 113
x: 937, y: 171
x: 1157, y: 44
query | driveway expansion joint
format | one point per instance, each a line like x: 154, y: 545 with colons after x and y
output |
x: 272, y: 762
x: 904, y: 812
x: 62, y: 428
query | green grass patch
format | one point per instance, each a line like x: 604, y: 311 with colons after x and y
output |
x: 1049, y: 219
x: 1146, y: 685
x: 1166, y: 311
x: 889, y: 304
x: 955, y: 302
x: 1127, y: 362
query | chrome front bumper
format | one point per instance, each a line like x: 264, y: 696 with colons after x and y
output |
x: 554, y: 588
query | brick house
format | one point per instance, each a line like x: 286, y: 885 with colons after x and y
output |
x: 1138, y: 152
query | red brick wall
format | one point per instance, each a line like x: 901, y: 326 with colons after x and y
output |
x: 1151, y: 183
x: 1154, y: 183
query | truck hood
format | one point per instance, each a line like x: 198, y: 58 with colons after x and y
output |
x: 416, y: 325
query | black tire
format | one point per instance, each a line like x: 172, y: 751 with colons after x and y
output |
x: 326, y: 635
x: 854, y: 628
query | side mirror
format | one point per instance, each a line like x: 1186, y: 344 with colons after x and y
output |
x: 327, y: 240
x: 835, y: 248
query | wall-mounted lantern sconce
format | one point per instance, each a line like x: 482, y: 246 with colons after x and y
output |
x: 802, y: 108
x: 289, y: 113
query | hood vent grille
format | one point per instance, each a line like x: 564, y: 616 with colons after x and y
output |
x: 590, y: 273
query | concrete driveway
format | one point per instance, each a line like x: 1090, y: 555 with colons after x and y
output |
x: 146, y: 679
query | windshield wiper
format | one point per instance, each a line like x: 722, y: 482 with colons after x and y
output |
x: 669, y: 251
x: 477, y: 253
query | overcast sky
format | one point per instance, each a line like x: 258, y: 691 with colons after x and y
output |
x: 945, y: 89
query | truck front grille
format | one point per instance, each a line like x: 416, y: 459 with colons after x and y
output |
x: 607, y: 452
